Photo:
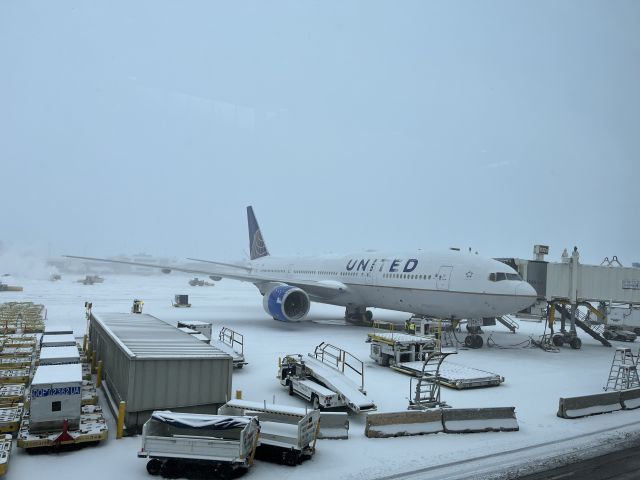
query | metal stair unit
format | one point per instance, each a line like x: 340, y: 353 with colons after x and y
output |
x: 509, y: 323
x: 584, y: 326
x: 624, y: 372
x: 424, y: 391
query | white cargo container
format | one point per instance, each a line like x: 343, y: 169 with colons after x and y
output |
x: 56, y: 396
x: 59, y: 355
x: 60, y: 340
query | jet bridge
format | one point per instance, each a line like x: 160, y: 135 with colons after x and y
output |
x: 570, y: 284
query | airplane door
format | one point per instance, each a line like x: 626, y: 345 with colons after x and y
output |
x: 444, y: 276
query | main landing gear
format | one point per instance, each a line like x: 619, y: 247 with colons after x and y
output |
x: 358, y: 315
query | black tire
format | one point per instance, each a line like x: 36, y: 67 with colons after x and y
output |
x: 558, y: 340
x: 154, y: 466
x: 290, y: 383
x: 575, y: 343
x: 468, y: 341
x: 225, y: 472
x: 368, y: 315
x: 315, y: 402
x: 607, y: 335
x: 636, y: 331
x: 478, y: 342
x: 291, y: 459
x: 169, y: 469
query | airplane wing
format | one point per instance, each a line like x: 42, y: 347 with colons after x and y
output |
x: 321, y: 289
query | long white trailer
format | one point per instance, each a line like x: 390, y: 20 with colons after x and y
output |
x: 287, y: 434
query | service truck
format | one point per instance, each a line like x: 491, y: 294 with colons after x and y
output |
x: 220, y: 445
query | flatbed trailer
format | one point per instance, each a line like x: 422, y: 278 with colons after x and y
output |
x: 287, y: 434
x: 92, y: 429
x: 15, y: 375
x: 5, y: 452
x: 222, y: 445
x: 10, y: 418
x: 454, y: 375
x: 11, y: 394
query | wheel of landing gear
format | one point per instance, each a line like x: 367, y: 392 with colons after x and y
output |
x: 607, y: 335
x: 468, y: 341
x: 368, y: 315
x: 153, y: 466
x: 558, y: 340
x: 478, y: 341
x: 575, y: 343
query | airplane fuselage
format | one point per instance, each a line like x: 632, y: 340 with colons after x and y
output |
x: 448, y: 284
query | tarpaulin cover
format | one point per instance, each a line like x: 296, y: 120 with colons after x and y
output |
x: 194, y: 420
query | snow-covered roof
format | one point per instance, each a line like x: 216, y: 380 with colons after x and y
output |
x: 58, y: 339
x: 198, y: 420
x: 49, y: 374
x: 195, y: 323
x: 145, y: 336
x: 48, y: 353
x: 57, y: 329
x: 272, y: 407
x: 190, y: 331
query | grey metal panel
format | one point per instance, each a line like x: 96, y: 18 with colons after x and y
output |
x: 537, y: 276
x: 179, y: 383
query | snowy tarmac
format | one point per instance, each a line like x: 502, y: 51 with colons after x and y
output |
x: 534, y: 381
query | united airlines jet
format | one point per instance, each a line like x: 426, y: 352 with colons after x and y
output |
x: 450, y: 284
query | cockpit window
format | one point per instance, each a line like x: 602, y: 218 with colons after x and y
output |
x: 499, y: 276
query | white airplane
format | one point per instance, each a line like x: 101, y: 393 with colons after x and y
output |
x: 450, y: 284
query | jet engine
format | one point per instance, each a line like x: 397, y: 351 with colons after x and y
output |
x: 286, y: 303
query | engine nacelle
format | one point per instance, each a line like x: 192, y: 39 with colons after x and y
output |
x: 286, y: 303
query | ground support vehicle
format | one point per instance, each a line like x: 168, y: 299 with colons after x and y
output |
x: 320, y: 378
x: 390, y: 348
x: 5, y: 452
x: 614, y: 332
x: 287, y: 434
x: 221, y: 445
x: 91, y: 430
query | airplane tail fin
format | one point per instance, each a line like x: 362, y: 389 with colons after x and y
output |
x: 257, y: 247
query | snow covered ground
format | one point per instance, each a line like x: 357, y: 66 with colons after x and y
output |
x: 534, y: 380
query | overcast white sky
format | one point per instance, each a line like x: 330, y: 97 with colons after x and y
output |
x: 150, y: 125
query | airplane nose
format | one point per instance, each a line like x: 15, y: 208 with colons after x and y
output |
x: 525, y: 295
x: 525, y: 289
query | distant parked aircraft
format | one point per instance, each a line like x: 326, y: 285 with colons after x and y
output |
x: 449, y: 284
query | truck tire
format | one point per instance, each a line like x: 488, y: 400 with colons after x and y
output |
x: 154, y: 466
x: 225, y: 472
x: 315, y: 401
x: 169, y: 468
x: 291, y: 458
x: 290, y: 383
